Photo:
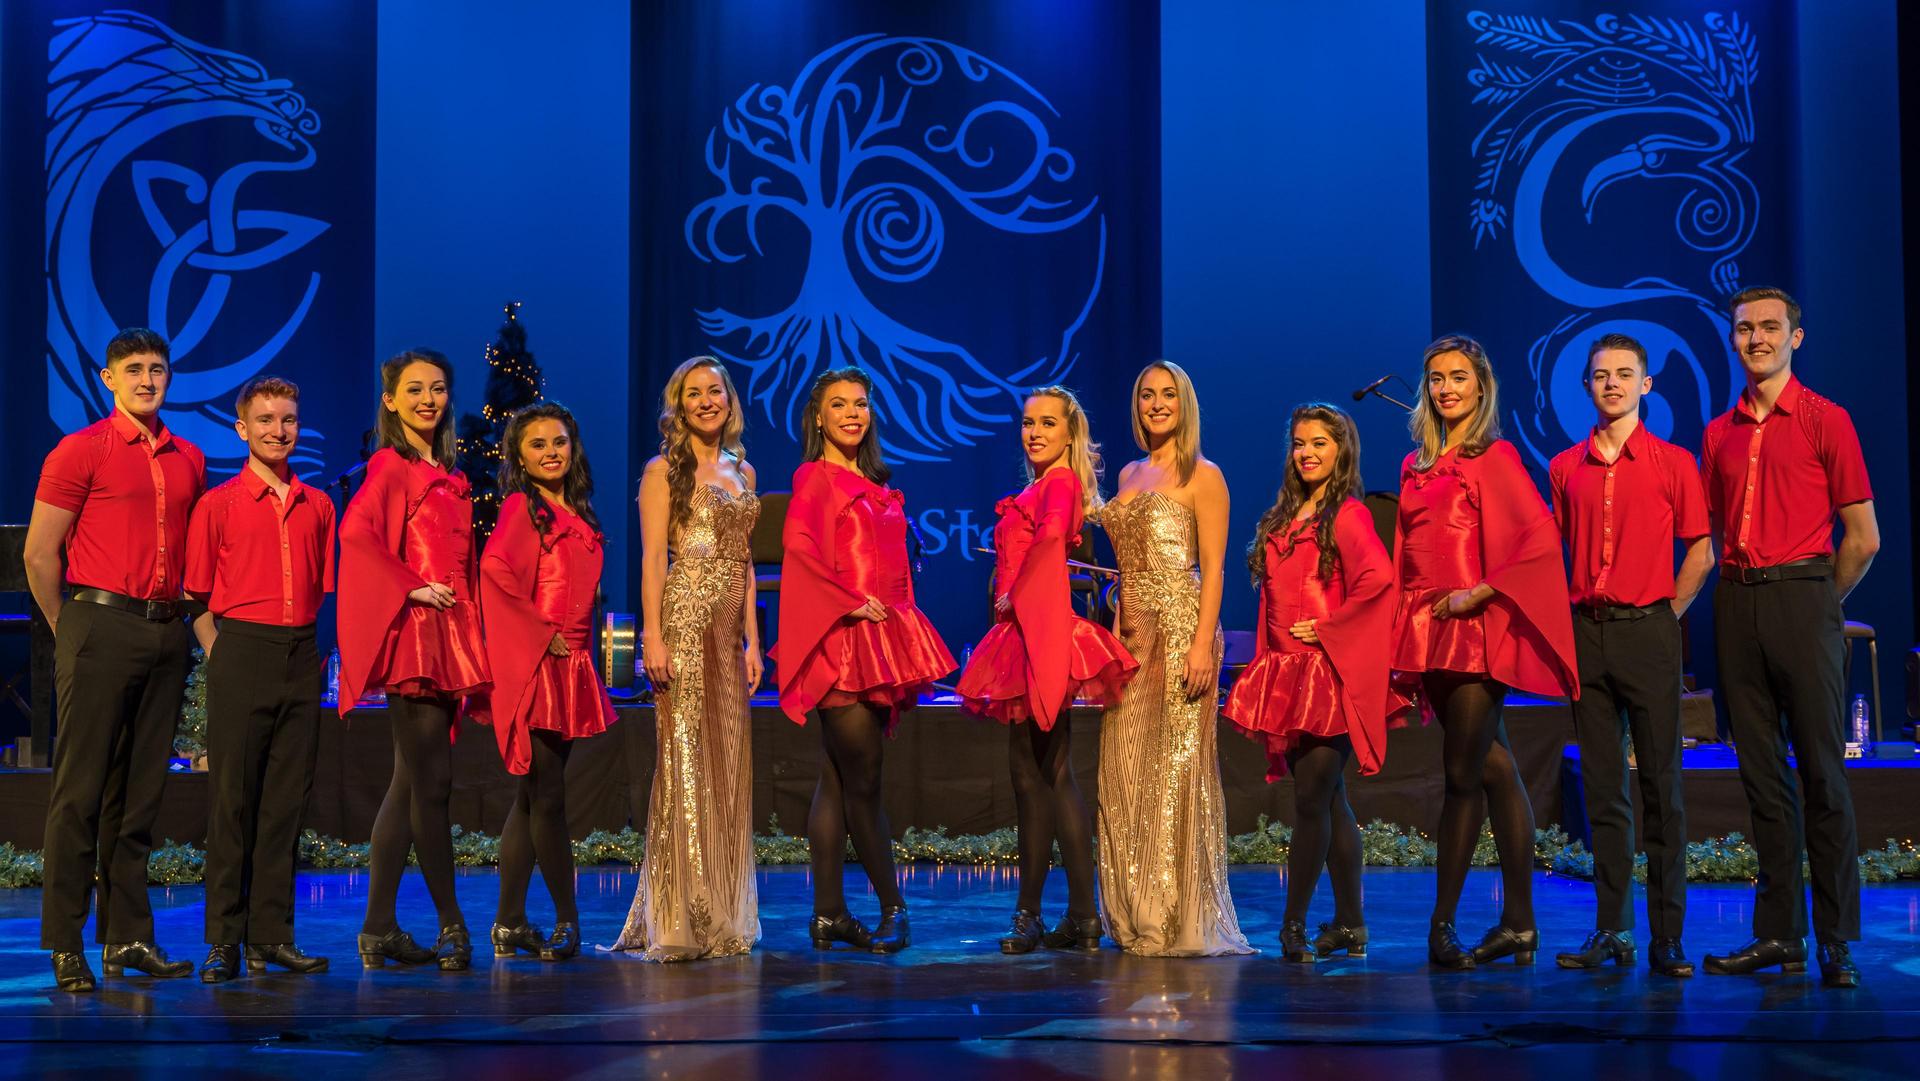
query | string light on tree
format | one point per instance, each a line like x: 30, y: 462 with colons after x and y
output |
x: 514, y: 381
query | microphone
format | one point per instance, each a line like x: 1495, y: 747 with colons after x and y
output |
x: 1361, y: 394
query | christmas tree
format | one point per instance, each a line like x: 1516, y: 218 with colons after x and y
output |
x: 513, y: 382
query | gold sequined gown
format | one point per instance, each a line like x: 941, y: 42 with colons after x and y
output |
x: 1161, y: 822
x: 697, y: 896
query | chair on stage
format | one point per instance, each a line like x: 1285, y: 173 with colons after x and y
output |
x: 28, y: 623
x: 1862, y: 631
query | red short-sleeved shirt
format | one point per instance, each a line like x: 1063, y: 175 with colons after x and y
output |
x: 1774, y: 485
x: 257, y: 558
x: 1621, y: 518
x: 133, y: 496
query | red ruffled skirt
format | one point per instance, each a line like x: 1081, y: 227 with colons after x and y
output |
x: 995, y: 682
x: 565, y: 696
x: 1423, y: 644
x: 1284, y: 697
x: 432, y: 653
x: 886, y: 665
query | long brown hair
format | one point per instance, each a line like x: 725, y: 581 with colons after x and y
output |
x: 873, y: 465
x: 1186, y: 428
x: 676, y: 439
x: 1344, y: 483
x: 1083, y: 454
x: 576, y: 489
x: 1482, y: 428
x: 391, y: 432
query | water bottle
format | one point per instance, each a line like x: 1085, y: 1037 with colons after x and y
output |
x: 332, y: 697
x: 1860, y: 730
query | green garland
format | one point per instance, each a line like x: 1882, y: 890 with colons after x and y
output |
x: 1382, y: 844
x: 190, y: 731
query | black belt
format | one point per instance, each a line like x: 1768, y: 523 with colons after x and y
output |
x: 156, y: 611
x: 1607, y: 613
x: 1782, y: 572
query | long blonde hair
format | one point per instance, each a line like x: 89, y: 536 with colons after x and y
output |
x: 1083, y: 454
x: 676, y: 439
x: 1186, y: 429
x: 1481, y: 429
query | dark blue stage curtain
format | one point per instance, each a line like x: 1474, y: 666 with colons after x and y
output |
x: 1600, y: 168
x: 961, y: 198
x: 205, y: 169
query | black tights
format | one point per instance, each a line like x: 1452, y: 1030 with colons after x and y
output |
x: 847, y: 802
x: 537, y: 829
x: 1483, y: 781
x: 1325, y: 833
x: 1047, y: 803
x: 414, y: 813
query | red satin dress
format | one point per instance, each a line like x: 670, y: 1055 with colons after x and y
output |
x: 532, y: 587
x: 1470, y: 520
x: 1040, y: 656
x: 1293, y: 689
x: 846, y: 539
x: 411, y: 523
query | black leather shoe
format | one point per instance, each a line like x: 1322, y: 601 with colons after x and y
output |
x: 1503, y: 941
x: 1025, y: 933
x: 564, y: 943
x: 1334, y: 937
x: 827, y: 930
x: 1444, y: 948
x: 222, y: 964
x: 1599, y: 948
x: 454, y: 950
x: 1073, y: 933
x: 1789, y: 953
x: 117, y: 957
x: 70, y: 972
x: 893, y: 934
x: 524, y: 938
x: 396, y: 945
x: 1666, y: 958
x: 1836, y: 965
x: 286, y: 955
x: 1293, y: 943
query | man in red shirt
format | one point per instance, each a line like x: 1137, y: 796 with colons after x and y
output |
x: 1622, y: 498
x: 116, y: 496
x: 260, y: 553
x: 1779, y: 467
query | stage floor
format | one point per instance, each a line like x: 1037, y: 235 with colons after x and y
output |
x: 952, y: 1006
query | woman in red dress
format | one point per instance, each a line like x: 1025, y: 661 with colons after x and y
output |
x: 537, y: 584
x: 1316, y: 691
x: 852, y: 645
x: 1040, y: 657
x: 1483, y: 607
x: 409, y: 622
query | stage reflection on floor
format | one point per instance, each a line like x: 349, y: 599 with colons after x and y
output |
x: 952, y: 1005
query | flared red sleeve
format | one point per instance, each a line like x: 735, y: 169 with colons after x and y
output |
x: 812, y: 597
x: 1529, y: 625
x: 375, y: 580
x: 1042, y: 596
x: 1357, y: 636
x: 517, y: 633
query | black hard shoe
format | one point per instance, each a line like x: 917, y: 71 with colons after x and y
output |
x: 564, y: 944
x: 1072, y: 933
x: 1599, y: 948
x: 117, y: 957
x: 1025, y: 933
x: 524, y: 938
x: 1444, y: 948
x: 396, y: 946
x: 1666, y: 958
x: 827, y: 930
x: 1789, y: 953
x: 1293, y: 943
x: 1334, y: 937
x: 454, y: 950
x: 222, y: 963
x: 893, y: 934
x: 286, y: 955
x: 1836, y: 965
x: 1503, y: 941
x: 70, y: 972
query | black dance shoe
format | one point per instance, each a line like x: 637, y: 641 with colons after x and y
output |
x: 454, y: 950
x: 117, y: 957
x: 1072, y: 933
x: 827, y: 930
x: 1339, y: 936
x: 1836, y: 965
x: 507, y: 940
x: 893, y: 934
x: 286, y: 955
x: 1444, y: 949
x: 1789, y: 953
x: 563, y: 945
x: 222, y: 964
x: 1599, y: 948
x: 396, y: 946
x: 1666, y: 958
x: 1503, y: 941
x: 1293, y: 943
x: 70, y: 972
x: 1025, y: 934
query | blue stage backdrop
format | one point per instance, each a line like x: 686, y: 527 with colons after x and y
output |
x: 963, y: 199
x: 205, y: 170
